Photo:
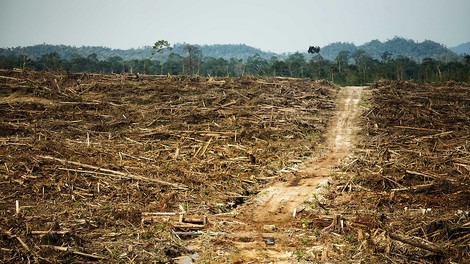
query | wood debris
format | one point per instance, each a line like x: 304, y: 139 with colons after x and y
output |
x: 90, y: 153
x: 412, y: 166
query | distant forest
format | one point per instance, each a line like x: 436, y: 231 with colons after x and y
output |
x: 342, y: 63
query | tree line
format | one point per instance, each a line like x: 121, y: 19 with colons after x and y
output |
x: 348, y: 68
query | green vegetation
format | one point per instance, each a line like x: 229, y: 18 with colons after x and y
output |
x: 300, y: 252
x: 160, y: 51
x: 341, y: 63
x: 304, y: 240
x: 397, y: 47
x: 307, y: 223
x: 463, y: 48
x: 317, y: 233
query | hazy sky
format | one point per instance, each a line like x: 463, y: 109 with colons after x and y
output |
x: 280, y: 26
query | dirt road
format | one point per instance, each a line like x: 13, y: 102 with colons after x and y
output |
x: 274, y: 210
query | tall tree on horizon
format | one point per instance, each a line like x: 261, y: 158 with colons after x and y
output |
x: 160, y: 45
x: 314, y: 49
x: 194, y: 55
x: 158, y: 48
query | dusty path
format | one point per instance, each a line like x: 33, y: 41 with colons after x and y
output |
x: 278, y: 202
x: 276, y: 205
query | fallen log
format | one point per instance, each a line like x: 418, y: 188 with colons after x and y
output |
x: 118, y: 173
x: 420, y: 187
x: 418, y: 242
x: 71, y: 250
x: 425, y: 175
x: 220, y: 107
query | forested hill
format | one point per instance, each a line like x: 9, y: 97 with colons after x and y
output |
x: 226, y: 51
x: 69, y: 52
x: 462, y: 48
x: 397, y: 47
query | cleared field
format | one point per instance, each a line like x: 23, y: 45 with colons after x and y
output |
x: 115, y: 168
x: 401, y: 196
x: 87, y: 160
x: 408, y: 189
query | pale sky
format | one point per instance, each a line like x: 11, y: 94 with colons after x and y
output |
x: 271, y: 25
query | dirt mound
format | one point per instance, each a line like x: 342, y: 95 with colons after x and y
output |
x: 88, y: 158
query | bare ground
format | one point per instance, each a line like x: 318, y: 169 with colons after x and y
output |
x: 276, y: 211
x: 99, y: 167
x: 399, y: 196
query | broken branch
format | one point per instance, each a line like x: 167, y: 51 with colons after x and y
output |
x: 118, y: 173
x: 418, y: 242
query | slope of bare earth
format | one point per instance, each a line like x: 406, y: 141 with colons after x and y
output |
x: 100, y: 167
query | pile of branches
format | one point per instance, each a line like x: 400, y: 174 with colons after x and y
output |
x: 83, y: 156
x: 412, y: 173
